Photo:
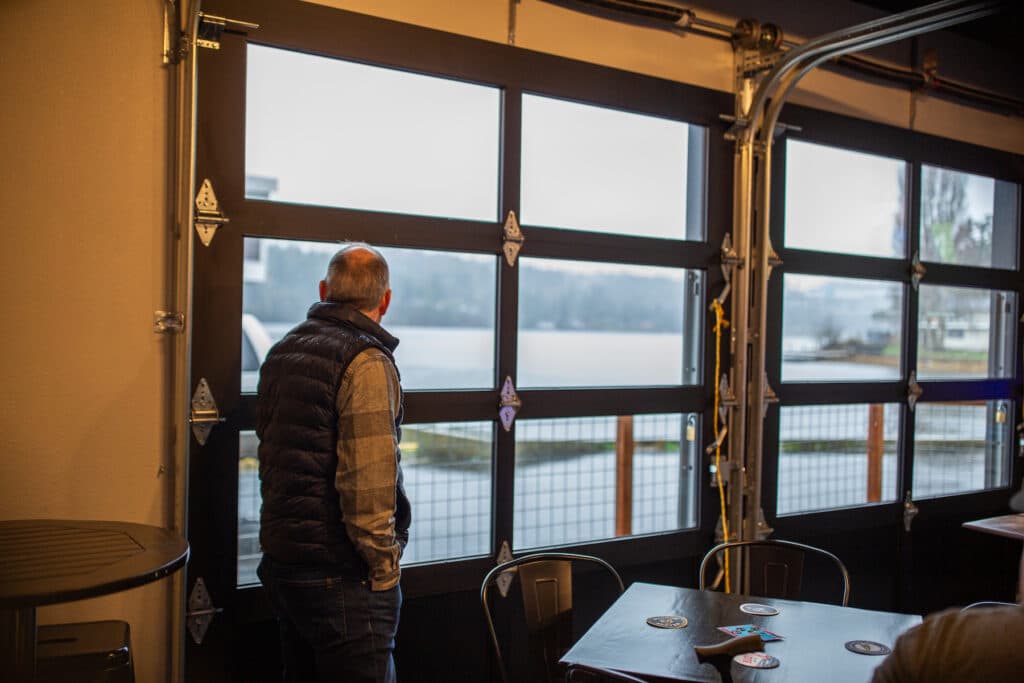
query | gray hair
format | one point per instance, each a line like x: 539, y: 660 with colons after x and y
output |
x: 358, y: 275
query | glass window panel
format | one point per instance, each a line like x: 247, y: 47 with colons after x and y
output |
x: 960, y: 447
x: 965, y: 333
x: 968, y: 220
x: 576, y: 315
x: 846, y: 202
x: 442, y: 309
x: 834, y: 456
x: 566, y: 481
x: 334, y: 133
x: 249, y: 501
x: 447, y: 468
x: 837, y: 328
x: 593, y: 168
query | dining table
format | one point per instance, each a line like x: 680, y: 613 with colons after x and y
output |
x: 48, y: 561
x: 817, y: 642
x: 1007, y: 526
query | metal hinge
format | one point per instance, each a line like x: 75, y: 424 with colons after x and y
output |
x: 914, y: 391
x: 204, y: 415
x: 909, y: 511
x: 209, y: 217
x: 512, y: 240
x: 509, y: 404
x: 917, y: 271
x: 212, y: 27
x: 504, y: 579
x: 200, y: 611
x: 168, y: 322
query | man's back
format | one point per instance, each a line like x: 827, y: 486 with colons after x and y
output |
x: 981, y: 644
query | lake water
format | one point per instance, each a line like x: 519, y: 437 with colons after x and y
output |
x: 463, y: 358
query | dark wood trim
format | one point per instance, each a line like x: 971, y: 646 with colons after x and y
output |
x: 804, y: 262
x: 541, y: 403
x: 825, y: 393
x: 838, y: 520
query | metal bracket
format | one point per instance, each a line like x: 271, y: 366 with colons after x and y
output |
x: 211, y: 28
x: 914, y: 391
x: 909, y: 511
x: 762, y: 530
x: 512, y: 240
x: 168, y: 322
x: 726, y: 402
x: 769, y: 398
x: 504, y: 579
x: 204, y: 415
x: 726, y: 398
x: 917, y: 271
x: 200, y: 611
x: 209, y: 217
x: 731, y: 260
x: 739, y: 123
x: 509, y: 404
x: 175, y: 41
x: 774, y: 261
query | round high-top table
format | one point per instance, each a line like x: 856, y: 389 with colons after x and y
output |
x: 46, y: 561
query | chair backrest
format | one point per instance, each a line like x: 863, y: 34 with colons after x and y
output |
x: 774, y: 568
x: 546, y: 584
x: 988, y: 603
x: 593, y: 674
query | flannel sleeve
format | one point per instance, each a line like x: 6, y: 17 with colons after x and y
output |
x: 368, y: 401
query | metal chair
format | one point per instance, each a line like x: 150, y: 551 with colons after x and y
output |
x: 989, y: 603
x: 775, y: 567
x: 545, y: 581
x: 598, y: 675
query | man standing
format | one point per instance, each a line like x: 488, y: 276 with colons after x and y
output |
x: 335, y: 517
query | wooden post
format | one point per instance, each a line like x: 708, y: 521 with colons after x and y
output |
x: 624, y: 476
x: 876, y: 448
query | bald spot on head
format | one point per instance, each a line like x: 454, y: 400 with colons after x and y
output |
x: 357, y: 275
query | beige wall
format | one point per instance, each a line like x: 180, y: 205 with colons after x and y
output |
x: 83, y: 203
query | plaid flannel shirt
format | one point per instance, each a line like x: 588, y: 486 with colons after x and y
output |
x: 368, y: 401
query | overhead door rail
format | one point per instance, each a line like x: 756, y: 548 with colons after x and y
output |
x: 751, y: 220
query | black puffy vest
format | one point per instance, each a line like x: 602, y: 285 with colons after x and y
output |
x: 296, y: 422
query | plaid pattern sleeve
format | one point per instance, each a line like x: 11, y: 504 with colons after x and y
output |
x: 368, y: 400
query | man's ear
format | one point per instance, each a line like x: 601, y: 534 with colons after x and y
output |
x: 385, y: 301
x: 323, y: 290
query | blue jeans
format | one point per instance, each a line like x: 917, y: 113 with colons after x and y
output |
x: 332, y: 628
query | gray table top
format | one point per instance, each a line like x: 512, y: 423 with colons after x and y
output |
x: 49, y: 561
x: 813, y: 648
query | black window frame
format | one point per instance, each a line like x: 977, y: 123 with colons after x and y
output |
x: 345, y: 35
x: 916, y: 149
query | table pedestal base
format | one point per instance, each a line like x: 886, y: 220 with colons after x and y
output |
x: 18, y: 643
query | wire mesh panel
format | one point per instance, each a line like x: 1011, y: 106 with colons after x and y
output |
x: 447, y: 469
x: 835, y: 456
x: 960, y: 447
x: 569, y: 475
